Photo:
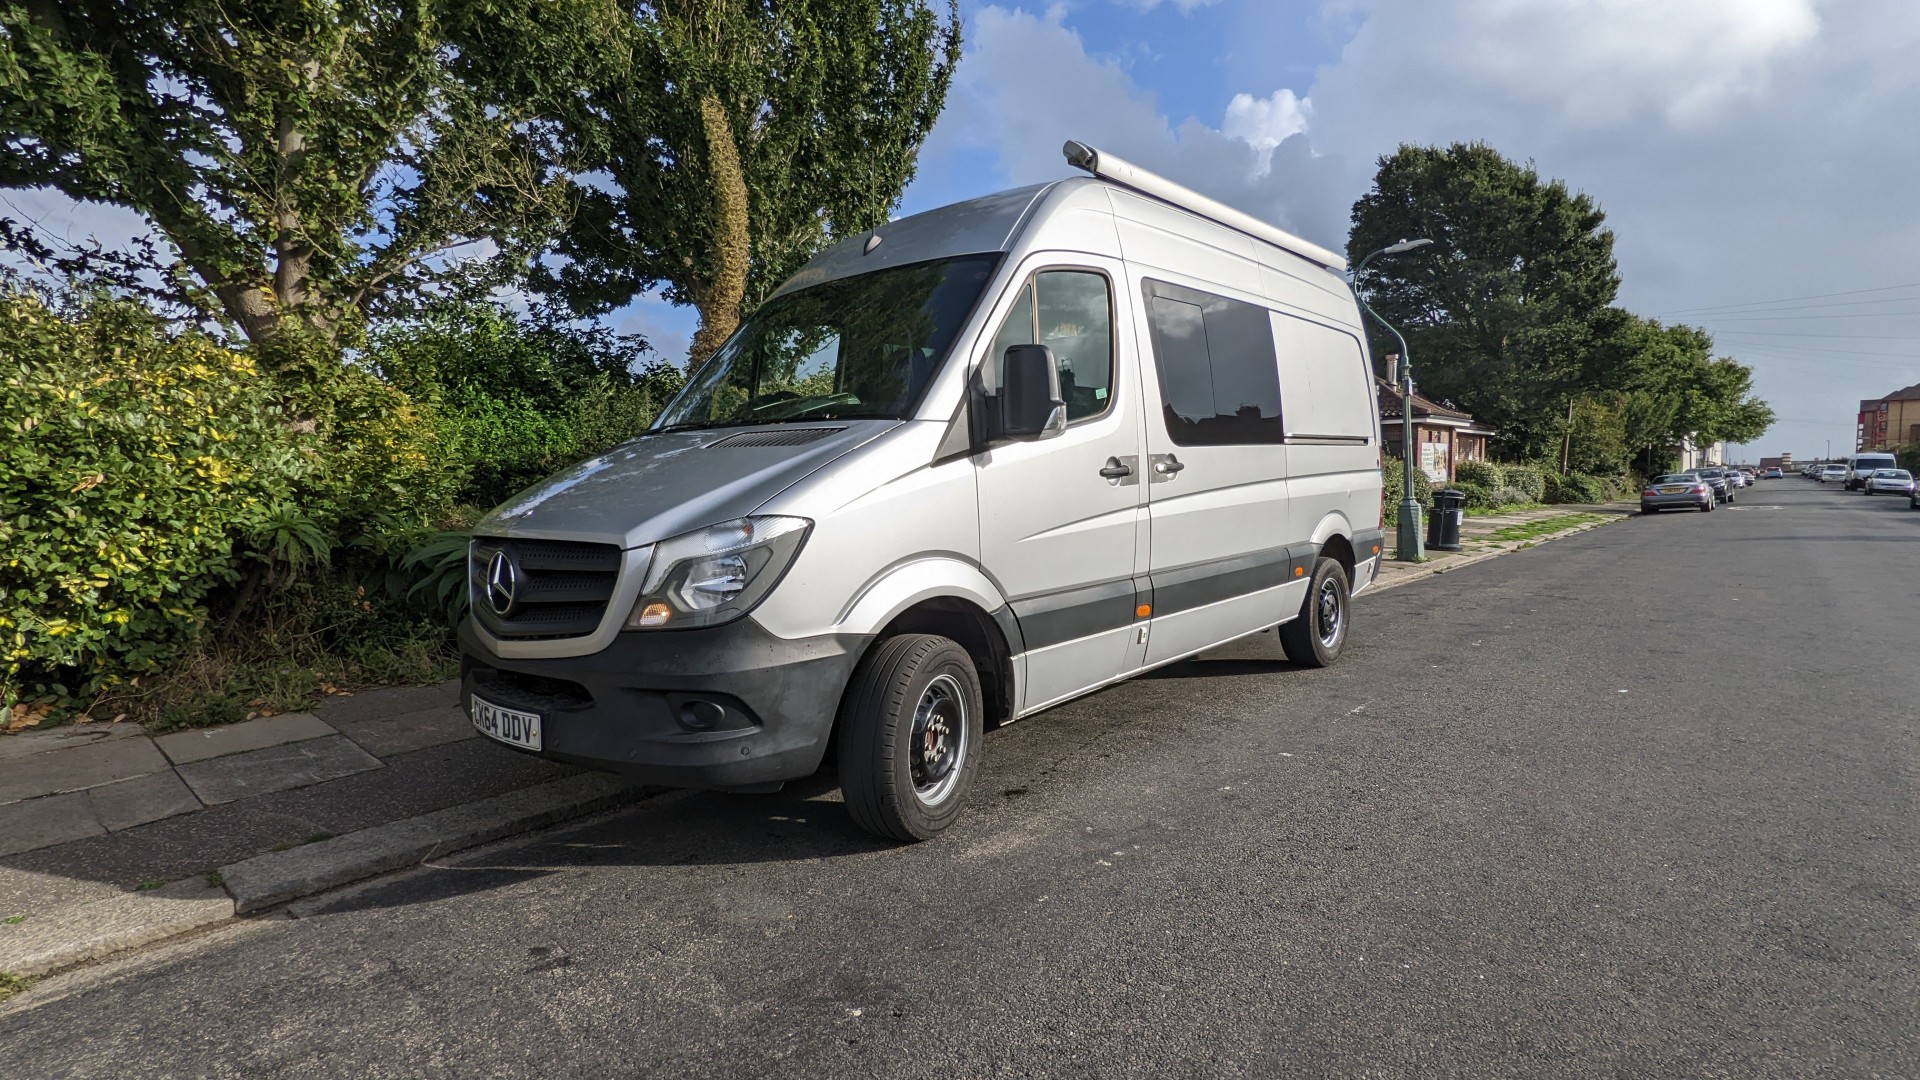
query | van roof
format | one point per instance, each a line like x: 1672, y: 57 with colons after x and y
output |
x: 992, y: 223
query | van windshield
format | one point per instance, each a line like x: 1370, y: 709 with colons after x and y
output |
x: 852, y: 348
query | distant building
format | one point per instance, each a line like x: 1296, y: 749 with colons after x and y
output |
x: 1889, y: 422
x: 1444, y: 436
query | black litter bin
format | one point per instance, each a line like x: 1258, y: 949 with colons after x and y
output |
x: 1443, y: 528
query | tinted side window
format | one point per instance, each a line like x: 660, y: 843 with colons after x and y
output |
x: 1070, y: 312
x: 1219, y: 379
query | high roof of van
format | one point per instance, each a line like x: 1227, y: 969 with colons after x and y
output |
x: 989, y: 223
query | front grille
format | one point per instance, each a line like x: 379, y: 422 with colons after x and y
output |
x: 561, y: 588
x: 787, y: 437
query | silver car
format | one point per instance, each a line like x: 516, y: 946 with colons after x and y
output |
x: 1889, y: 482
x: 1676, y: 491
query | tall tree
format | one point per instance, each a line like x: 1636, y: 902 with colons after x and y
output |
x: 1671, y: 387
x: 306, y: 160
x: 1504, y: 311
x: 735, y: 138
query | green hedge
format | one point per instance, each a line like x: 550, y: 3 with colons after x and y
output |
x: 132, y: 460
x: 1392, y: 475
x: 512, y: 402
x: 1587, y: 488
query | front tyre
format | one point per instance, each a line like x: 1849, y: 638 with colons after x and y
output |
x: 910, y: 732
x: 1316, y: 637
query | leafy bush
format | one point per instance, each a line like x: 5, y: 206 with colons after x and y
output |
x: 1484, y: 473
x: 512, y: 402
x: 1586, y: 488
x: 1392, y: 476
x: 1529, y: 480
x: 1479, y: 496
x: 132, y: 461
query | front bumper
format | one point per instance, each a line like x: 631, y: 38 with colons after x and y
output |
x: 1674, y: 502
x: 727, y: 707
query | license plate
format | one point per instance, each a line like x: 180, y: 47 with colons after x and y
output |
x: 1671, y: 490
x: 510, y: 726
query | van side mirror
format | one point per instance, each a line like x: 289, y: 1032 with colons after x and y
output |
x: 1030, y: 403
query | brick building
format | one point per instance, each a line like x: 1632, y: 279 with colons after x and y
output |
x: 1443, y: 436
x: 1889, y: 422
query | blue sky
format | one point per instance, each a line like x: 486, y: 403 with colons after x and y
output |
x: 1754, y: 157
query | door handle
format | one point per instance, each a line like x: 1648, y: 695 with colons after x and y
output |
x: 1115, y: 469
x: 1168, y: 466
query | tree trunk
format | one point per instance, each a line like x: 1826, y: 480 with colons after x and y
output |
x: 719, y: 299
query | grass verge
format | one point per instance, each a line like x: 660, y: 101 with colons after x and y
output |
x: 1531, y: 530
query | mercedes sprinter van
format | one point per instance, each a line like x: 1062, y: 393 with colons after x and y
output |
x: 960, y: 469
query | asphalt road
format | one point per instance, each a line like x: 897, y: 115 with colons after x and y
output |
x: 1642, y: 801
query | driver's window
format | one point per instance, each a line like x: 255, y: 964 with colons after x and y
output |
x: 1070, y: 312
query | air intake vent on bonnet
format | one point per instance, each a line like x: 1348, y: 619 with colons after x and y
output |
x: 787, y: 437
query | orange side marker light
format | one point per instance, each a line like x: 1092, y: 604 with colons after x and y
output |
x: 1143, y: 611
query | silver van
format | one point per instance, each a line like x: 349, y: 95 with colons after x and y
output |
x: 958, y: 470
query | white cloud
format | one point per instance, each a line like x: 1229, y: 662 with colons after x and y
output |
x: 1185, y: 6
x: 1265, y: 123
x: 1027, y: 84
x: 1592, y: 62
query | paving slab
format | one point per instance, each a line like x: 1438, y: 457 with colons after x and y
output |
x: 276, y: 768
x: 28, y: 743
x: 281, y: 876
x: 124, y: 920
x: 177, y: 847
x: 38, y: 823
x: 183, y: 747
x: 142, y: 799
x: 72, y: 768
x: 388, y: 701
x: 385, y: 737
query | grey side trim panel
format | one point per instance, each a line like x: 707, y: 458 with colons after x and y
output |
x: 1209, y: 583
x: 1009, y: 629
x: 1075, y: 613
x: 1363, y: 541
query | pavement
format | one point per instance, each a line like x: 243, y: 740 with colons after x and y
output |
x: 112, y: 839
x: 1641, y: 801
x: 1480, y: 539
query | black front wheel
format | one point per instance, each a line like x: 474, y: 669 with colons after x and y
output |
x: 910, y: 732
x: 1317, y: 636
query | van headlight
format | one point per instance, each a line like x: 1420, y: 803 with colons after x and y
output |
x: 716, y: 574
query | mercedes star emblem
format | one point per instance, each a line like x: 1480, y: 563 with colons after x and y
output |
x: 503, y: 583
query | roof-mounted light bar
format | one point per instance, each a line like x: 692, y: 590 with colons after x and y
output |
x: 1126, y: 174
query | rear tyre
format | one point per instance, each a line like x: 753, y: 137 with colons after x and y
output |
x: 1317, y: 636
x: 910, y: 732
x: 1707, y: 507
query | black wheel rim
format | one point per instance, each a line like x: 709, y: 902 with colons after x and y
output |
x: 940, y: 741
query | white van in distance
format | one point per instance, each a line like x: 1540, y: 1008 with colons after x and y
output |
x: 960, y: 469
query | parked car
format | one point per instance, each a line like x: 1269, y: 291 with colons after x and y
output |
x: 1861, y: 466
x: 1889, y: 482
x: 1774, y: 474
x: 1736, y: 477
x: 1833, y: 474
x: 905, y: 500
x: 1716, y: 479
x: 1676, y: 491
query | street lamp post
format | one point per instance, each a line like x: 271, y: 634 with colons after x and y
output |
x: 1410, y: 544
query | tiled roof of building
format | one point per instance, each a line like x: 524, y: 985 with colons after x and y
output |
x: 1422, y: 405
x: 1911, y: 393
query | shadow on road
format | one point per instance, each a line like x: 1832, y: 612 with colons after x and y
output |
x: 803, y: 821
